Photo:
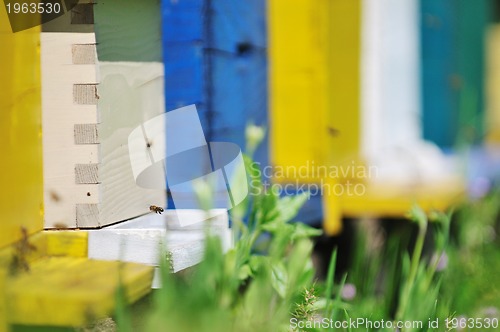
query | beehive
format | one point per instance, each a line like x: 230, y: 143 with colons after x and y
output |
x: 344, y: 90
x: 45, y: 277
x: 92, y: 98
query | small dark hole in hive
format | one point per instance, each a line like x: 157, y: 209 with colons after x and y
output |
x: 243, y: 48
x: 88, y: 194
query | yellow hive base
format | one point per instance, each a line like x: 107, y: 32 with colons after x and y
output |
x: 390, y: 200
x: 63, y: 288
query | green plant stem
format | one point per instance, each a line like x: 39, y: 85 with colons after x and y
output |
x: 415, y: 260
x: 330, y: 281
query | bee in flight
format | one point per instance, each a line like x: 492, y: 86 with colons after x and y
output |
x: 156, y: 209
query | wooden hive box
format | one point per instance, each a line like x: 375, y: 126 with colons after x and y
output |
x: 45, y: 277
x: 343, y: 87
x: 102, y: 76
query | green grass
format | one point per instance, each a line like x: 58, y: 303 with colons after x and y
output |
x: 264, y: 283
x: 267, y: 280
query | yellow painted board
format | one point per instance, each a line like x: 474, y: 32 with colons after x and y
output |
x: 344, y: 80
x: 314, y: 54
x: 332, y: 209
x: 21, y: 197
x: 67, y: 243
x: 69, y: 291
x: 396, y: 201
x: 343, y: 115
x: 298, y: 72
x: 492, y: 120
x: 3, y: 301
x: 390, y: 200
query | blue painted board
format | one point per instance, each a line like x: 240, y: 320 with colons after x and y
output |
x: 453, y: 48
x: 439, y: 71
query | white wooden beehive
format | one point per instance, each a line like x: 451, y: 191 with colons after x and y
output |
x: 87, y: 173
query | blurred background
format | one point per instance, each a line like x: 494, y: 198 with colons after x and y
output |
x: 396, y: 99
x: 408, y: 87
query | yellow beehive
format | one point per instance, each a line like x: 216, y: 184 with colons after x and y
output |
x: 314, y: 85
x: 315, y: 51
x: 45, y: 278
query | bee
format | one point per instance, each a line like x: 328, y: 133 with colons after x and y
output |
x: 156, y: 209
x: 54, y: 196
x: 60, y: 225
x: 22, y: 249
x: 333, y: 131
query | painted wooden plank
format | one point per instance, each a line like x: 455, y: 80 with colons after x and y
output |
x: 126, y: 95
x: 381, y: 200
x: 182, y: 40
x: 60, y: 115
x: 79, y: 288
x: 440, y: 80
x: 315, y: 68
x: 314, y: 89
x: 453, y: 69
x: 344, y: 116
x: 21, y: 197
x: 237, y: 46
x: 493, y: 84
x: 127, y: 30
x: 471, y: 35
x: 63, y: 287
x: 390, y: 62
x: 298, y: 101
x: 297, y: 42
x: 66, y: 243
x: 131, y: 93
x: 216, y: 58
x: 343, y: 119
x: 87, y: 216
x: 145, y: 239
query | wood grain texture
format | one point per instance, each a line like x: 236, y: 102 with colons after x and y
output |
x: 131, y: 93
x: 148, y: 239
x: 86, y: 133
x: 60, y: 115
x: 89, y: 182
x: 68, y: 291
x: 128, y: 30
x: 21, y: 197
x: 87, y: 215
